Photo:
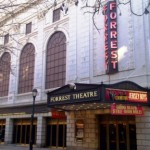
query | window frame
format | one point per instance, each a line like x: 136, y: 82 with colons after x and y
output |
x: 26, y: 69
x: 28, y: 28
x: 5, y: 61
x: 55, y: 75
x: 56, y: 14
x: 6, y: 38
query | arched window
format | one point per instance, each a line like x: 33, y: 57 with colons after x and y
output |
x: 26, y: 72
x: 56, y: 61
x: 4, y: 74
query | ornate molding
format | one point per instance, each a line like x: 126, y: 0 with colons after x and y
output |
x: 41, y: 15
x: 16, y: 27
x: 18, y: 11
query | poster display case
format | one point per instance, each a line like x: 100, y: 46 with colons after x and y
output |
x: 79, y: 130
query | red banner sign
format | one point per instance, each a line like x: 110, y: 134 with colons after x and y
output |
x: 126, y: 110
x: 58, y: 115
x: 126, y: 95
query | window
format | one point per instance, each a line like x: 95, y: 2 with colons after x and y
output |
x: 56, y: 14
x: 6, y: 38
x: 26, y: 72
x: 28, y: 28
x: 56, y: 61
x: 4, y: 74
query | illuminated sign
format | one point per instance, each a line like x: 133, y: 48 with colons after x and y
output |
x: 126, y: 110
x: 126, y: 95
x: 75, y: 97
x: 89, y: 96
x: 111, y: 45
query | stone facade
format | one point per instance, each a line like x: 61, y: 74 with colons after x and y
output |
x: 91, y: 134
x: 142, y: 129
x: 85, y: 63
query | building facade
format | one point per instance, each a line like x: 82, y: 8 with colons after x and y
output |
x: 74, y: 60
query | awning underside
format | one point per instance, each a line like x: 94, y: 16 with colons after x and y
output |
x: 84, y: 106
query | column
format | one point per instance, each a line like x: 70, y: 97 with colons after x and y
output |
x: 8, y: 131
x: 41, y: 131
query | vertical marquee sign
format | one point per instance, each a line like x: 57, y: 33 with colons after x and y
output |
x: 111, y: 46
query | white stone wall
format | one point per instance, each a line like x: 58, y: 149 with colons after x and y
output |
x: 85, y: 48
x: 132, y: 47
x: 85, y: 61
x: 80, y: 36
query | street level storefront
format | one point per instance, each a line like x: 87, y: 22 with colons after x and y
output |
x: 15, y: 125
x: 102, y: 116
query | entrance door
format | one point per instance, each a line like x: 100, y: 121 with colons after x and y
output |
x: 21, y: 131
x: 56, y: 133
x: 117, y: 133
x: 2, y: 130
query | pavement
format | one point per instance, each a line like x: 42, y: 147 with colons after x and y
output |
x: 18, y: 147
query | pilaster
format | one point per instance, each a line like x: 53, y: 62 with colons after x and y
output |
x: 41, y: 127
x: 8, y: 131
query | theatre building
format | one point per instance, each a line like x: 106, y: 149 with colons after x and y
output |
x: 91, y: 72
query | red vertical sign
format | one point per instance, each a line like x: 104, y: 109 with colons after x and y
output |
x: 111, y: 44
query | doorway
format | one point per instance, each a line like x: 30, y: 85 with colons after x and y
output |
x: 2, y: 130
x: 117, y: 133
x: 56, y: 133
x: 21, y: 131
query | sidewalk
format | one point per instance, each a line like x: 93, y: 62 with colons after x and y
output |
x: 16, y: 147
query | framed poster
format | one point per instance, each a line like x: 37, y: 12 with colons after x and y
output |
x: 79, y: 130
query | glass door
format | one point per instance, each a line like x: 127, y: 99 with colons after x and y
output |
x: 56, y: 133
x: 117, y: 134
x: 103, y: 137
x: 2, y: 130
x: 112, y: 137
x: 122, y: 136
x: 21, y: 131
x: 132, y: 136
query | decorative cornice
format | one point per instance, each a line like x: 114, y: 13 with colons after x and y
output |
x: 18, y: 11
